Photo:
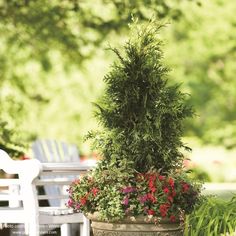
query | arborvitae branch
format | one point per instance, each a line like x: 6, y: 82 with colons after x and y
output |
x: 141, y: 113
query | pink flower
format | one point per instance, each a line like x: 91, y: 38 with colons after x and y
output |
x: 143, y: 199
x: 125, y: 201
x: 70, y: 203
x: 127, y: 211
x: 128, y: 189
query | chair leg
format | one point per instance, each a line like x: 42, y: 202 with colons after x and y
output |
x: 65, y: 230
x: 81, y: 229
x: 33, y: 230
x: 85, y: 227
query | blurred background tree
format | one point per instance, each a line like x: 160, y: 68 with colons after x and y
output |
x: 53, y: 58
x: 201, y: 50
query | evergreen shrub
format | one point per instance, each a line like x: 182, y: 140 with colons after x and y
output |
x: 142, y: 114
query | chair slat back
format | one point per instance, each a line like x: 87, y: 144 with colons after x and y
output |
x: 66, y: 176
x: 49, y: 150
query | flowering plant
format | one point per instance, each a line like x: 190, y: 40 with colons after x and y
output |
x: 117, y: 192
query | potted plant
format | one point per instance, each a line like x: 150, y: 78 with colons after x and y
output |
x: 139, y: 187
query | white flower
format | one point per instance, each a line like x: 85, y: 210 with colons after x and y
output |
x: 132, y: 218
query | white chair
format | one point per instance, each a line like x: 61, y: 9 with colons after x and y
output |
x: 61, y: 214
x: 30, y: 214
x: 54, y: 151
x: 27, y: 171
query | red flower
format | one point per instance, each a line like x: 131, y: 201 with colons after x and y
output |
x: 173, y: 193
x: 166, y: 190
x: 185, y: 187
x: 151, y: 212
x: 151, y: 198
x: 153, y: 189
x: 170, y: 198
x: 163, y: 209
x: 94, y: 191
x: 83, y: 201
x: 161, y: 177
x: 172, y: 218
x: 153, y: 177
x: 149, y: 176
x: 171, y: 182
x: 151, y: 185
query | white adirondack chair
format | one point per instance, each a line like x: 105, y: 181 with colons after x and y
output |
x: 30, y: 214
x: 53, y: 151
x: 27, y: 171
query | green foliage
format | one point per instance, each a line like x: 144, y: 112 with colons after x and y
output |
x: 10, y: 141
x: 214, y: 217
x: 115, y: 190
x: 72, y: 28
x: 50, y: 48
x: 141, y: 112
x: 201, y: 50
x: 47, y: 51
x: 199, y: 174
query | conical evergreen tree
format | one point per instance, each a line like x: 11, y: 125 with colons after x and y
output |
x: 142, y: 114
